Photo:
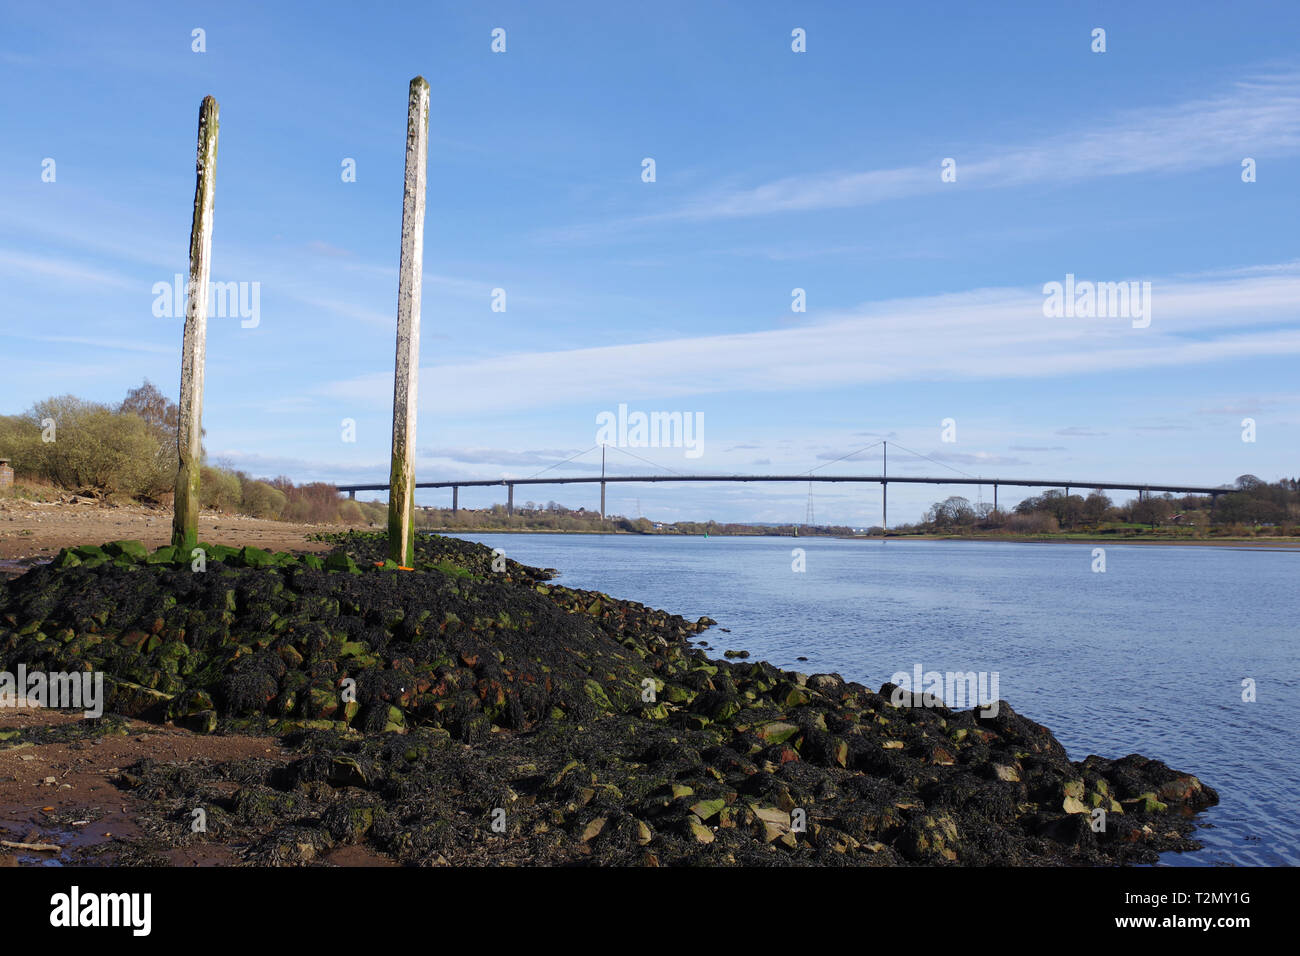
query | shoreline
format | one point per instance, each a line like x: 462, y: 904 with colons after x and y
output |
x: 1280, y: 544
x: 37, y: 530
x: 1254, y: 544
x: 502, y: 688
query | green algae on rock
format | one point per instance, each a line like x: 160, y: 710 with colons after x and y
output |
x: 454, y: 713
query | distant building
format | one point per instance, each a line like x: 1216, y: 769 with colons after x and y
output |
x: 6, y: 474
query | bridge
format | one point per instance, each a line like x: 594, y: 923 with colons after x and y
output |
x: 883, y: 479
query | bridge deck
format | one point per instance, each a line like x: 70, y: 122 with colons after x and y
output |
x: 881, y: 479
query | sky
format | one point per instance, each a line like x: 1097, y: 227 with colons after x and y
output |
x: 921, y: 171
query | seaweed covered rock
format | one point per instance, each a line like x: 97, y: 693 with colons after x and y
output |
x: 471, y: 710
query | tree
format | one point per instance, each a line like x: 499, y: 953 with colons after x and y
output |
x: 154, y: 407
x: 954, y: 511
x: 1152, y: 511
x: 1096, y: 507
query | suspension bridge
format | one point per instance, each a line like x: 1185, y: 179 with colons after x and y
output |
x: 884, y: 479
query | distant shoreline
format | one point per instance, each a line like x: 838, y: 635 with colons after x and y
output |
x: 1277, y: 544
x: 1254, y: 544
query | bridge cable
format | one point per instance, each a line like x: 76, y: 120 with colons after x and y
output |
x: 842, y: 457
x: 965, y: 474
x: 565, y: 462
x: 646, y: 460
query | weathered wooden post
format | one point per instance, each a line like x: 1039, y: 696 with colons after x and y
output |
x: 401, y: 482
x: 189, y: 437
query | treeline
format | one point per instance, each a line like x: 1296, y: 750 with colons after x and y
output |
x: 1249, y: 506
x: 553, y: 517
x: 127, y: 452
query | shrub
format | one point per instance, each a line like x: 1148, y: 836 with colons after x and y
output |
x: 262, y: 501
x: 1035, y: 523
x: 220, y: 490
x: 20, y: 442
x: 99, y: 448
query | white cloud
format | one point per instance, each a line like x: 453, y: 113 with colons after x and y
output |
x: 984, y: 334
x: 18, y: 263
x: 1256, y: 117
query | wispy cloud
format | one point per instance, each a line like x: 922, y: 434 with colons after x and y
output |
x: 977, y: 458
x: 98, y: 343
x: 1259, y: 116
x: 985, y: 334
x: 499, y: 456
x: 67, y: 270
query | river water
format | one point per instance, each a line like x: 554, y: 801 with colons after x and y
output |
x: 1148, y: 656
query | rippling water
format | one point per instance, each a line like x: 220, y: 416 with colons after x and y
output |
x: 1148, y: 657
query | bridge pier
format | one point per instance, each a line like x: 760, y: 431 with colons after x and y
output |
x: 995, y: 496
x: 884, y: 506
x: 353, y: 494
x: 455, y: 498
x: 602, y: 501
x: 510, y: 500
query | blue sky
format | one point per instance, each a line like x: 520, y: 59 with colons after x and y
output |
x: 775, y: 170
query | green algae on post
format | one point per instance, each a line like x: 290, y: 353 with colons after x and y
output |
x: 189, y: 436
x: 401, y: 482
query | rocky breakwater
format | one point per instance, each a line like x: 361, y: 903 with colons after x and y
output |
x: 460, y: 714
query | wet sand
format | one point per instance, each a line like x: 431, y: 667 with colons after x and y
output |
x: 39, y: 529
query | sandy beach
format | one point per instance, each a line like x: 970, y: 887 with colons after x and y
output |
x: 31, y: 529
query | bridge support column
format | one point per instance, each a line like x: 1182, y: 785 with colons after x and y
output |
x: 510, y: 500
x: 884, y: 506
x: 455, y: 498
x: 353, y: 494
x: 602, y: 501
x: 995, y: 496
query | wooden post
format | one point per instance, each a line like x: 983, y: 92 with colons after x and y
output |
x: 401, y: 482
x: 189, y: 436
